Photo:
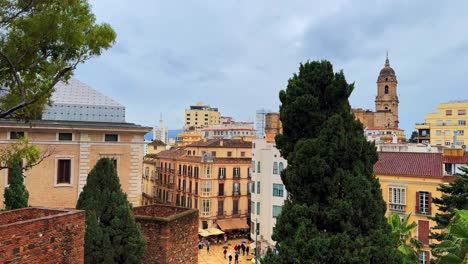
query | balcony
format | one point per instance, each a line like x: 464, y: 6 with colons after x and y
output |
x: 236, y: 177
x: 222, y: 177
x: 236, y: 193
x: 221, y: 214
x: 397, y: 207
x: 221, y: 193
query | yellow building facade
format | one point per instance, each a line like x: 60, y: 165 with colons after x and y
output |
x: 409, y: 181
x: 74, y: 148
x: 187, y: 138
x: 446, y: 127
x: 211, y: 176
x: 201, y: 116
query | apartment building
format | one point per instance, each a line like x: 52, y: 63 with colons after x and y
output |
x: 446, y: 127
x: 200, y: 116
x: 209, y: 175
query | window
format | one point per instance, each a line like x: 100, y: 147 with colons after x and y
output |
x: 221, y: 189
x: 275, y: 167
x: 16, y: 134
x: 448, y: 112
x: 447, y: 132
x: 196, y: 192
x: 258, y: 187
x: 253, y: 165
x: 461, y: 111
x: 424, y: 201
x: 236, y: 172
x: 213, y: 153
x: 222, y: 173
x: 252, y: 207
x: 252, y: 227
x: 423, y: 231
x: 229, y: 154
x: 424, y: 257
x: 278, y: 190
x: 253, y: 187
x: 111, y: 138
x: 397, y: 198
x: 65, y: 136
x: 235, y: 207
x: 276, y: 211
x: 195, y: 172
x: 236, y: 189
x: 438, y: 142
x: 281, y: 167
x: 64, y: 171
x: 258, y: 166
x: 462, y: 122
x: 206, y: 188
x: 460, y: 132
x: 220, y: 208
x: 439, y: 132
x: 206, y: 207
x: 242, y: 154
x: 447, y: 143
x: 386, y: 89
x: 258, y: 208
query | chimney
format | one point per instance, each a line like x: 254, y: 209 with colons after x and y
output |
x: 221, y: 143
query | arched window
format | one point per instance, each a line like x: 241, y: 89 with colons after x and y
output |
x: 275, y: 167
x: 281, y: 167
x: 258, y: 166
x: 386, y: 89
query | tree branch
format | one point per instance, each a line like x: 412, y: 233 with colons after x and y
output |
x: 14, y: 16
x: 15, y: 75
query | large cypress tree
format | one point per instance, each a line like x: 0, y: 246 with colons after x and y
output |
x: 454, y: 196
x: 335, y: 212
x: 112, y: 235
x: 16, y: 195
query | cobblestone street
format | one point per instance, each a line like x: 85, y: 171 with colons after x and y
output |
x: 216, y: 253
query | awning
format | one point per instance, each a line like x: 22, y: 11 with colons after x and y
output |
x: 214, y: 231
x: 203, y: 233
x: 232, y: 224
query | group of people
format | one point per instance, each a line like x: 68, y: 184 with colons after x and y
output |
x: 237, y: 251
x: 206, y: 244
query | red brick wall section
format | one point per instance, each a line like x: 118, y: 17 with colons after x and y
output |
x: 172, y: 239
x: 54, y: 236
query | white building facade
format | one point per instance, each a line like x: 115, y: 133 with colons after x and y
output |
x: 267, y: 191
x: 161, y: 133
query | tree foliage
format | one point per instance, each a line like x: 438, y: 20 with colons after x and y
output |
x: 16, y: 196
x: 41, y: 43
x: 454, y: 250
x: 335, y: 211
x: 413, y: 137
x: 454, y: 196
x: 402, y: 238
x: 112, y: 235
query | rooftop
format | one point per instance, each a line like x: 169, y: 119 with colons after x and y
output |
x: 409, y: 164
x: 157, y: 143
x: 71, y: 124
x: 222, y: 143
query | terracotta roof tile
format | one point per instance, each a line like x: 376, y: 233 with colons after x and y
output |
x: 226, y: 143
x: 409, y: 164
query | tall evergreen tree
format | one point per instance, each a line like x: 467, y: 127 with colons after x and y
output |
x: 16, y: 196
x: 454, y: 196
x: 112, y: 235
x: 335, y: 212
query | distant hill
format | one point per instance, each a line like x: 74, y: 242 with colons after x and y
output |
x: 172, y: 133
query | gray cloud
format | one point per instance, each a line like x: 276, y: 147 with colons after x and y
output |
x: 237, y: 55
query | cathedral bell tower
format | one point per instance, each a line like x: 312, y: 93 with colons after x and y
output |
x: 386, y: 101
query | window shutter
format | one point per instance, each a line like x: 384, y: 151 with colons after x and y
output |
x: 429, y: 204
x: 423, y: 231
x: 417, y: 203
x: 428, y: 255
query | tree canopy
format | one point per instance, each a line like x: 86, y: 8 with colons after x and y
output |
x: 335, y: 212
x: 41, y: 43
x: 112, y: 235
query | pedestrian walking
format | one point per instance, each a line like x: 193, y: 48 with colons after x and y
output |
x: 236, y: 259
x: 243, y: 249
x: 208, y: 247
x: 230, y: 258
x: 247, y: 249
x: 224, y: 253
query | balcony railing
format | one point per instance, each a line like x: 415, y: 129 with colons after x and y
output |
x: 236, y: 193
x: 397, y: 207
x: 222, y: 177
x: 236, y: 177
x: 221, y: 193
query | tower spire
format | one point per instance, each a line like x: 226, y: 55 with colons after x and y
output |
x: 387, y: 62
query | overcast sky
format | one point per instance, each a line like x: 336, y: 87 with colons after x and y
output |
x: 237, y: 55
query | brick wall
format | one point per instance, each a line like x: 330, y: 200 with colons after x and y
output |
x: 41, y: 235
x: 171, y: 233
